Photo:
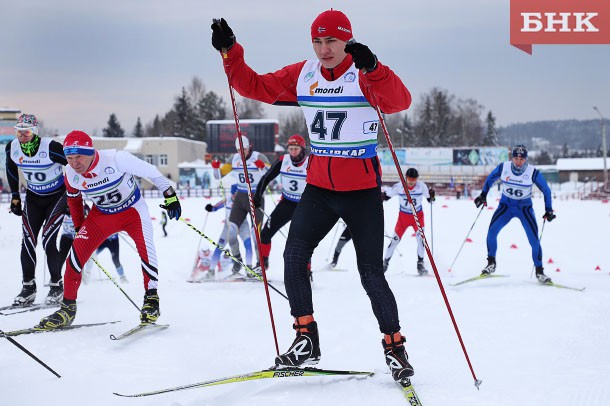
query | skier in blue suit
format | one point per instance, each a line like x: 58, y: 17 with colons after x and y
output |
x: 517, y: 178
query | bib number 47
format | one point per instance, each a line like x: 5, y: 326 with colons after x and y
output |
x: 318, y: 125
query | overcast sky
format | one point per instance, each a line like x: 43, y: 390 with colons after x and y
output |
x: 73, y: 62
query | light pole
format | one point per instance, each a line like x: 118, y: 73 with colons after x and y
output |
x: 605, y: 151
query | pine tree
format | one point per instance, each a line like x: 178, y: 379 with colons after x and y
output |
x: 114, y: 128
x: 138, y: 130
x: 491, y: 136
x: 250, y: 109
x: 209, y: 107
x: 292, y: 123
x: 182, y: 124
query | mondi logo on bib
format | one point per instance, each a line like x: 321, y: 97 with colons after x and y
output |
x: 314, y: 89
x: 558, y: 22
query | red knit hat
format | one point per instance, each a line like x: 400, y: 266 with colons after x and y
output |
x: 332, y: 23
x: 78, y: 143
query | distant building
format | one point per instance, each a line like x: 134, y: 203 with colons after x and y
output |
x: 8, y: 119
x: 581, y: 169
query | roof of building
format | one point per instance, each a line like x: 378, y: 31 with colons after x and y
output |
x: 580, y: 164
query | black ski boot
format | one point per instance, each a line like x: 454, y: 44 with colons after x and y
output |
x: 61, y: 318
x: 236, y: 265
x: 421, y: 268
x: 256, y: 273
x: 542, y: 278
x: 490, y: 268
x: 56, y: 293
x: 27, y: 295
x: 396, y: 356
x: 150, y: 309
x: 305, y: 349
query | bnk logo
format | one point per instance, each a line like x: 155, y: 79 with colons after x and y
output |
x: 314, y: 89
x: 558, y: 22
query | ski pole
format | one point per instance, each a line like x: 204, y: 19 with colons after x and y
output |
x: 375, y: 105
x: 226, y: 251
x: 466, y: 239
x: 539, y: 240
x: 126, y: 241
x: 431, y: 228
x: 386, y: 235
x: 22, y: 348
x: 332, y: 245
x: 252, y: 209
x: 115, y: 284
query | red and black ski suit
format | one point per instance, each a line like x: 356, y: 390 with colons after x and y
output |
x: 347, y: 188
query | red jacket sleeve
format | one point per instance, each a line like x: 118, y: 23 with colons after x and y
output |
x: 279, y: 87
x: 75, y: 202
x: 384, y: 88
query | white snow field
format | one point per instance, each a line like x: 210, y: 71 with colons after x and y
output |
x: 529, y: 344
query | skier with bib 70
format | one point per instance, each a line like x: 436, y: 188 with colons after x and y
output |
x: 336, y: 91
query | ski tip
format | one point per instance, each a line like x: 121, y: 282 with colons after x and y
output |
x: 477, y: 383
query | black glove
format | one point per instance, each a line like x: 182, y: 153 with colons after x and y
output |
x: 171, y: 204
x: 362, y: 56
x: 16, y: 205
x: 432, y: 197
x: 385, y: 197
x: 549, y: 215
x: 257, y: 200
x: 209, y: 207
x: 481, y: 200
x: 222, y: 35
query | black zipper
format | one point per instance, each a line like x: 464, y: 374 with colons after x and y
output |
x: 366, y: 168
x: 330, y: 179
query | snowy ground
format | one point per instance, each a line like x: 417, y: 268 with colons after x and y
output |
x: 531, y: 345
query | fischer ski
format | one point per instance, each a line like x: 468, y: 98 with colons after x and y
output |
x: 557, y: 285
x: 409, y: 392
x: 139, y: 328
x: 263, y: 374
x: 476, y: 278
x: 23, y: 309
x: 34, y: 330
x: 233, y: 279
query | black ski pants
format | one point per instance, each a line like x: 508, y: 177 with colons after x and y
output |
x: 281, y: 215
x: 315, y: 215
x: 46, y: 212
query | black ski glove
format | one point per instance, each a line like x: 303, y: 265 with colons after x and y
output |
x: 171, y: 204
x: 481, y: 200
x: 549, y: 215
x: 362, y: 56
x: 432, y: 197
x: 209, y: 207
x: 16, y: 205
x: 222, y: 35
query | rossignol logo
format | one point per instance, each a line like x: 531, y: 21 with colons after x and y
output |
x: 314, y: 89
x: 286, y: 374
